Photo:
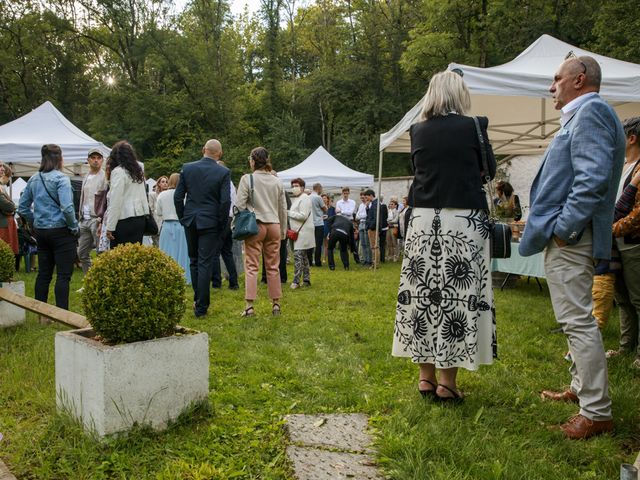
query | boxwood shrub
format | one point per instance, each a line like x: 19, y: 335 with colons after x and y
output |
x: 133, y: 293
x: 7, y: 262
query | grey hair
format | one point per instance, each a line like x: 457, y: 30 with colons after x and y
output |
x: 447, y: 93
x: 593, y: 71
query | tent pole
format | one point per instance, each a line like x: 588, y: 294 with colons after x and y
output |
x: 377, y: 237
x: 543, y: 114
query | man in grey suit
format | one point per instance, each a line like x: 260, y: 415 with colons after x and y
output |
x: 204, y: 217
x: 572, y: 202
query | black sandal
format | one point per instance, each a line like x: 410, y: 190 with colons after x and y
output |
x: 275, y: 309
x: 455, y: 399
x: 430, y: 392
x: 248, y: 312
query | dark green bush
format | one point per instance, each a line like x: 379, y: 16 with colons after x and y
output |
x: 7, y: 262
x: 134, y: 293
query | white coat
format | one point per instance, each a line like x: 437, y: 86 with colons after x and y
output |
x: 299, y: 212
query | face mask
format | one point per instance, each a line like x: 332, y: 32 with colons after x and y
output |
x: 297, y: 191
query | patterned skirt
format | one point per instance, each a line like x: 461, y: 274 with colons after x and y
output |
x: 445, y: 313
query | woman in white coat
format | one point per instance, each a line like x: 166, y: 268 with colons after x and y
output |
x: 300, y: 221
x: 127, y: 202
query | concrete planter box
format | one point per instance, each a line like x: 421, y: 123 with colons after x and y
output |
x: 111, y: 388
x: 11, y: 315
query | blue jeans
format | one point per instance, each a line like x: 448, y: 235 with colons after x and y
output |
x: 365, y: 246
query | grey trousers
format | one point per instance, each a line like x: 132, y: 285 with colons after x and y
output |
x: 87, y: 240
x: 628, y: 298
x: 569, y: 272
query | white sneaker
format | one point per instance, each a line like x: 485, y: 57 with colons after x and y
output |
x: 294, y: 286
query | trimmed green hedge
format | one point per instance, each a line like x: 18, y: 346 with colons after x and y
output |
x: 134, y: 293
x: 7, y: 262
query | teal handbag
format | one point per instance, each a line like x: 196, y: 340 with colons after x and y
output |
x: 244, y: 221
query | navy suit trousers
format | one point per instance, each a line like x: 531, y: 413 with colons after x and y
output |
x: 204, y: 248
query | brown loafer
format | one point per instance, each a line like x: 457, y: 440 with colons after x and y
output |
x: 566, y: 396
x: 580, y: 427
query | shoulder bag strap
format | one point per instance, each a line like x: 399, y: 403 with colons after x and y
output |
x: 251, y: 191
x: 47, y: 190
x: 485, y: 165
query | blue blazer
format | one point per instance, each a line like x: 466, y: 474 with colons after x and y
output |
x: 577, y: 181
x: 207, y: 188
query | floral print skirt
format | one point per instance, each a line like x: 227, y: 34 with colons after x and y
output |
x: 445, y: 313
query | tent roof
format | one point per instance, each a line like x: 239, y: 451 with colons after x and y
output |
x: 22, y: 139
x: 322, y: 167
x: 516, y: 98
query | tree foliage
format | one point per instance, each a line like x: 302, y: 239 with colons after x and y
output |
x: 291, y: 76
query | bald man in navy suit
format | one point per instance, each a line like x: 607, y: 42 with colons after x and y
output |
x: 204, y: 216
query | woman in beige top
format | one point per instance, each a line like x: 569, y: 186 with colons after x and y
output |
x: 269, y: 204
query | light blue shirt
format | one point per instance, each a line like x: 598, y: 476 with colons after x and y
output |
x: 47, y: 213
x: 316, y: 207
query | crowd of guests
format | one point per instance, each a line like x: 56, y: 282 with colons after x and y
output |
x: 189, y: 216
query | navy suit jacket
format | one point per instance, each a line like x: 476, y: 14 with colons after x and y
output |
x: 206, y: 186
x: 577, y: 182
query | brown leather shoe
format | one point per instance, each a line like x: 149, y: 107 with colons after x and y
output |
x: 580, y: 427
x: 566, y: 396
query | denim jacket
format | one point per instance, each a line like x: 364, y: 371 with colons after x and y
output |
x: 46, y: 213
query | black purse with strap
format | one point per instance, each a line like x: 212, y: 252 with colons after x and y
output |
x: 499, y: 233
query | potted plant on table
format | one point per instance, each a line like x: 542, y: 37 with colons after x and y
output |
x: 10, y: 315
x: 135, y: 365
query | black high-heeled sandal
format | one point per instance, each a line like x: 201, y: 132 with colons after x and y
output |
x: 431, y: 392
x: 455, y: 399
x: 275, y: 309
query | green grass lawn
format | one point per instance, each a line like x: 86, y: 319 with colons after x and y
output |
x: 328, y: 352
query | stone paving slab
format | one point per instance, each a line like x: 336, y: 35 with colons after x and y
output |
x: 318, y: 464
x: 347, y: 432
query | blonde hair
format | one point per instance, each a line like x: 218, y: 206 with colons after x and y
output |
x: 447, y: 93
x: 174, y: 178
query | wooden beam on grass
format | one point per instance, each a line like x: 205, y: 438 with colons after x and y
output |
x: 5, y: 474
x: 52, y: 312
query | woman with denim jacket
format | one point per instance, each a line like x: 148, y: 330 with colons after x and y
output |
x: 53, y: 217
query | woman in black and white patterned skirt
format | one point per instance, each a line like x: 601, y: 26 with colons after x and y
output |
x: 445, y: 317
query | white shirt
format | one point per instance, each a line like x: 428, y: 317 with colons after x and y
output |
x: 165, y: 208
x: 362, y: 212
x: 346, y: 208
x: 570, y: 108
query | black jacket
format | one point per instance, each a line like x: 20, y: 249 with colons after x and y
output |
x: 338, y: 222
x: 447, y: 165
x: 372, y: 211
x: 208, y: 190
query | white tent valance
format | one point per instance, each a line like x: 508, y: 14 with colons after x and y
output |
x: 321, y: 167
x: 21, y: 141
x: 516, y: 98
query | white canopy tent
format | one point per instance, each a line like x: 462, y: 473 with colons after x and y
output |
x: 515, y: 96
x: 22, y: 139
x: 321, y: 167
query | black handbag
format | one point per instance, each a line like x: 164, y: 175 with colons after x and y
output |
x: 245, y: 224
x: 499, y: 233
x: 150, y: 225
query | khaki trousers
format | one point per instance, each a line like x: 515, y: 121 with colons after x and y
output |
x: 569, y: 272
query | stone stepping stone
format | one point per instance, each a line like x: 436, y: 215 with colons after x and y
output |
x: 331, y: 446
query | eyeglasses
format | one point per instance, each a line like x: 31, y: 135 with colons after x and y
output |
x: 572, y: 55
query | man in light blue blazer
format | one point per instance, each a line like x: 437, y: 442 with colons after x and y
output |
x: 571, y: 213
